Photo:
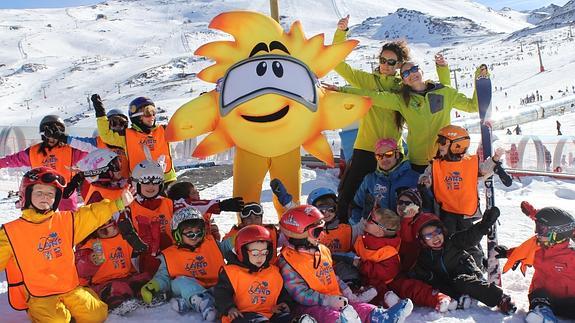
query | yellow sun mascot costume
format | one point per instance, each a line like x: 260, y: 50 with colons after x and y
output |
x: 266, y: 103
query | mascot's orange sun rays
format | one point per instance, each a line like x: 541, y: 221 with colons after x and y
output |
x: 266, y: 102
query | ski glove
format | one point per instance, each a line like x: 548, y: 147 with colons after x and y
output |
x: 98, y: 105
x: 280, y: 192
x: 490, y: 216
x: 528, y: 209
x: 505, y: 178
x: 502, y: 251
x: 149, y: 290
x: 235, y: 204
x: 129, y: 234
x: 74, y: 183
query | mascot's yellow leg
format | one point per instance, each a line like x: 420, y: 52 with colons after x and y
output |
x: 250, y: 170
x: 287, y: 168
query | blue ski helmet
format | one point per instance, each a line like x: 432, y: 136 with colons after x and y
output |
x: 319, y: 193
x: 136, y: 106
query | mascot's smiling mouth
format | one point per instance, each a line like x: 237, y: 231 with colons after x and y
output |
x: 270, y: 117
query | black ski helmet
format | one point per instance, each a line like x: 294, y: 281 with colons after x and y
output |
x: 116, y: 112
x: 51, y: 119
x: 555, y: 222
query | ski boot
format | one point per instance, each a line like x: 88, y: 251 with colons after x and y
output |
x: 204, y: 304
x: 396, y: 314
x: 541, y: 314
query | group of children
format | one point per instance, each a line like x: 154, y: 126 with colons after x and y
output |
x: 137, y: 237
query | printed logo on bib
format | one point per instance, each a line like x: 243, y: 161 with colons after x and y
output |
x: 149, y: 141
x: 117, y: 257
x: 50, y: 161
x: 50, y: 246
x: 323, y: 273
x: 453, y: 181
x: 197, y: 267
x: 259, y: 292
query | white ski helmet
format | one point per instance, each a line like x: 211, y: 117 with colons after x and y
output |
x: 98, y: 162
x: 185, y: 214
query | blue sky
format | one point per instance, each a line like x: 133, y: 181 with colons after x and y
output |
x: 496, y: 4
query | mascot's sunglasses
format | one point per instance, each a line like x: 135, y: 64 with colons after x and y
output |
x: 413, y: 69
x: 267, y: 74
x: 251, y: 209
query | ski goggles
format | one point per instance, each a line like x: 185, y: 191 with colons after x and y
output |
x: 388, y: 61
x: 325, y: 209
x: 543, y: 230
x: 267, y: 74
x: 151, y: 180
x: 434, y: 233
x: 251, y: 209
x: 315, y: 230
x: 194, y: 235
x: 388, y: 154
x: 118, y: 123
x: 52, y: 126
x: 258, y: 253
x: 113, y: 165
x: 47, y: 178
x: 413, y: 69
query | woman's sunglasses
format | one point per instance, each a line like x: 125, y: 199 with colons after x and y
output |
x: 388, y: 154
x: 388, y: 61
x: 406, y: 73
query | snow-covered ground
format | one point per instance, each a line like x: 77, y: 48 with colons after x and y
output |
x: 52, y: 59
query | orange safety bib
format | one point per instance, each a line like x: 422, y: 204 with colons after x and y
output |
x: 58, y: 158
x: 203, y: 264
x: 17, y: 294
x: 255, y: 292
x: 44, y: 253
x: 107, y: 193
x: 455, y: 185
x: 338, y: 239
x: 321, y: 279
x: 124, y: 165
x: 163, y: 214
x: 155, y: 141
x: 118, y: 263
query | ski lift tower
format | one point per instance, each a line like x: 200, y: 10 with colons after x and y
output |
x: 541, y: 68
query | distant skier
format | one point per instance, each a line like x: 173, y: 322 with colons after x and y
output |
x: 517, y: 130
x: 559, y: 133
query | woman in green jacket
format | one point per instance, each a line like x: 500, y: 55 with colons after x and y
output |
x: 378, y: 122
x: 426, y: 107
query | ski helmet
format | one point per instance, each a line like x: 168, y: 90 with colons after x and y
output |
x: 555, y: 224
x: 425, y: 220
x: 50, y: 121
x: 98, y: 162
x: 301, y: 222
x: 188, y: 215
x: 458, y: 137
x: 252, y: 233
x: 40, y: 175
x: 137, y: 106
x: 148, y: 172
x: 116, y: 112
x: 319, y: 193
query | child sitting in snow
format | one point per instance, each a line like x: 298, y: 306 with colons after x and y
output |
x: 306, y: 267
x: 190, y: 268
x: 249, y: 287
x: 104, y: 263
x: 551, y: 253
x: 444, y: 263
x: 191, y: 196
x: 252, y: 213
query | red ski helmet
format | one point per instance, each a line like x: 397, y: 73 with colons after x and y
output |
x: 251, y: 233
x: 40, y: 175
x: 297, y: 222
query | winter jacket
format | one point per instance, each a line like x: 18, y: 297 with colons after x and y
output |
x: 378, y: 122
x: 115, y: 139
x: 224, y: 290
x: 409, y: 248
x: 382, y: 186
x: 552, y: 265
x: 444, y: 265
x: 380, y: 273
x: 425, y: 115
